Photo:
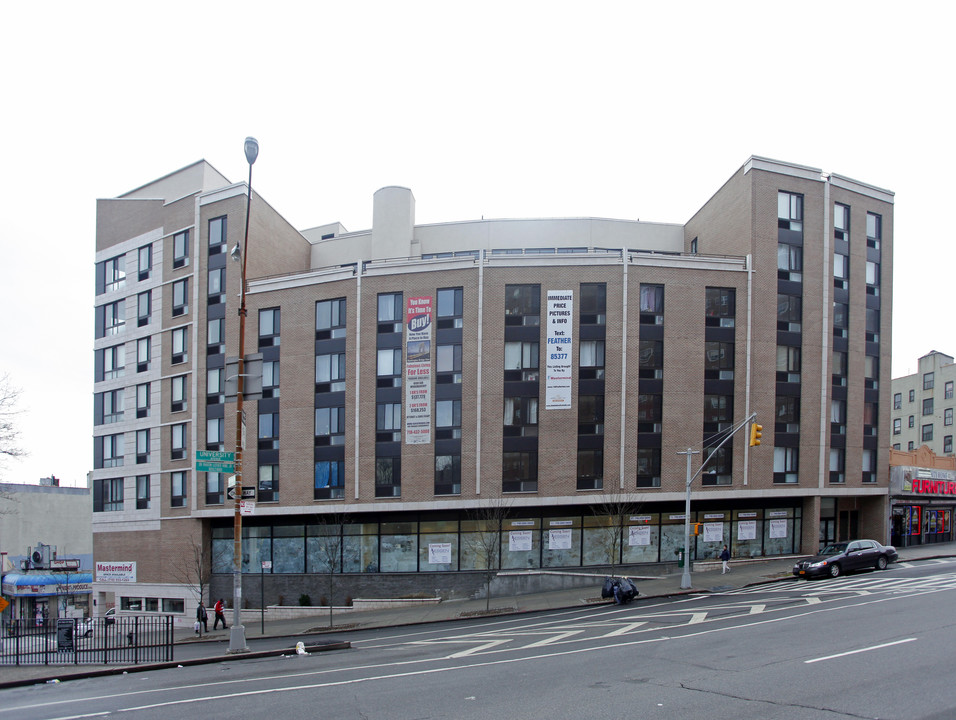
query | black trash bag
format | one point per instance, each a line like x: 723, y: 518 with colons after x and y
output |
x: 628, y: 590
x: 608, y: 590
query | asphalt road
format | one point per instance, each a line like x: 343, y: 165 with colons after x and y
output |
x: 871, y: 645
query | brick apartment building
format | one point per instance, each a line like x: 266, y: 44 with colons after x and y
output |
x: 405, y: 376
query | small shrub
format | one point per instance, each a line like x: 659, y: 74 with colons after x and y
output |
x: 305, y: 600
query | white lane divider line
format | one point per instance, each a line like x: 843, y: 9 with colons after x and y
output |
x: 861, y: 650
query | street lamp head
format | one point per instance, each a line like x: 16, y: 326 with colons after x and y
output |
x: 252, y: 149
x: 236, y: 253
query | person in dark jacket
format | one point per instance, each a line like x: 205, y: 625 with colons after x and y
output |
x: 202, y: 617
x: 725, y: 560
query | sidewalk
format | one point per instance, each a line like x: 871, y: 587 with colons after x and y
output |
x: 705, y: 577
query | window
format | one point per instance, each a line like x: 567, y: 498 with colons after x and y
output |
x: 142, y: 446
x: 181, y: 249
x: 388, y: 422
x: 648, y: 467
x: 448, y: 364
x: 177, y: 393
x: 789, y: 211
x: 142, y: 400
x: 108, y: 495
x: 841, y: 270
x: 521, y: 416
x: 947, y: 416
x: 929, y: 381
x: 872, y: 325
x: 522, y: 305
x: 180, y: 297
x: 521, y: 361
x: 926, y: 434
x: 268, y: 431
x: 388, y: 477
x: 837, y: 465
x: 785, y: 464
x: 871, y: 372
x: 215, y: 433
x: 838, y: 360
x: 897, y: 426
x: 177, y: 442
x: 180, y: 351
x: 144, y: 261
x: 590, y: 415
x: 449, y: 308
x: 330, y: 319
x: 927, y: 406
x: 871, y: 417
x: 591, y: 360
x: 215, y: 286
x: 269, y: 327
x: 788, y: 413
x: 330, y: 372
x: 841, y: 319
x: 898, y: 401
x: 115, y: 273
x: 788, y: 363
x: 789, y: 262
x: 652, y: 304
x: 841, y: 222
x: 948, y: 444
x: 142, y: 492
x: 720, y: 306
x: 519, y: 472
x: 214, y: 494
x: 874, y: 230
x: 215, y: 335
x: 448, y: 474
x: 174, y: 605
x: 872, y: 278
x: 113, y: 362
x: 789, y: 313
x: 719, y: 470
x: 838, y: 416
x: 448, y: 419
x: 912, y: 422
x: 270, y: 378
x: 912, y: 395
x: 390, y: 313
x: 114, y: 319
x: 142, y: 354
x: 693, y: 246
x: 217, y: 235
x: 593, y: 303
x: 268, y: 487
x: 111, y: 406
x: 330, y: 426
x: 718, y: 412
x: 389, y: 367
x: 718, y: 360
x: 214, y: 385
x: 948, y: 390
x: 649, y: 412
x: 329, y: 480
x: 590, y: 469
x: 143, y: 308
x: 909, y: 446
x: 651, y: 359
x: 110, y: 451
x: 869, y: 466
x: 177, y: 489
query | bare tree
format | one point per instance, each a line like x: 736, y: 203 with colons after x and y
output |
x: 329, y: 548
x: 613, y: 512
x: 9, y: 432
x: 485, y: 539
x: 193, y: 567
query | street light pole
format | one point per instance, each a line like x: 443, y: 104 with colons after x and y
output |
x: 237, y: 635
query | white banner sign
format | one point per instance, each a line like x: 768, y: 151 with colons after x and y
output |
x: 116, y: 572
x: 640, y: 535
x: 713, y: 532
x: 558, y: 363
x: 519, y: 540
x: 746, y: 529
x: 439, y: 553
x: 418, y: 370
x: 778, y: 528
x: 559, y: 539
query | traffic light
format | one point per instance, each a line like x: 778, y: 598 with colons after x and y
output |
x: 756, y: 431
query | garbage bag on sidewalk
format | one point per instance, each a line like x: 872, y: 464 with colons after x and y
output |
x: 608, y: 590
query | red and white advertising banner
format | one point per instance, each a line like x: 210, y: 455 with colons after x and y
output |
x: 418, y: 370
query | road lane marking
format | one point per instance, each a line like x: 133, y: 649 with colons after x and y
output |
x: 861, y: 650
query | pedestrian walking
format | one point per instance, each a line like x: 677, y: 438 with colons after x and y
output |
x: 202, y: 619
x: 725, y: 560
x: 220, y: 611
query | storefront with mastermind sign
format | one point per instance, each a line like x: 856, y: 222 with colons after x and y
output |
x: 922, y: 497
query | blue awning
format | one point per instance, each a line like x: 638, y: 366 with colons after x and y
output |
x: 48, y: 584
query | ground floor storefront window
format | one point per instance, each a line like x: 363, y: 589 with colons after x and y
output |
x: 918, y: 524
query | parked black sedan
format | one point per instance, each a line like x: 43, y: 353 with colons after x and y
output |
x: 842, y: 557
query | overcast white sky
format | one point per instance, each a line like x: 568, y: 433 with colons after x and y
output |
x: 516, y: 109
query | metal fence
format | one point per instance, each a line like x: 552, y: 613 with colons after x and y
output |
x: 124, y: 640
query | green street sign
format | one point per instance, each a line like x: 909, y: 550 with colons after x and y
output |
x: 215, y: 461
